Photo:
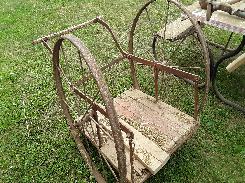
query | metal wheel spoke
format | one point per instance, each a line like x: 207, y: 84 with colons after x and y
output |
x: 176, y: 48
x: 97, y: 89
x: 187, y: 67
x: 165, y: 23
x: 149, y: 19
x: 109, y: 166
x: 64, y: 76
x: 173, y: 43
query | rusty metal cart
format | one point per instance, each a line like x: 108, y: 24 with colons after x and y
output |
x: 133, y: 133
x: 177, y: 29
x: 234, y: 23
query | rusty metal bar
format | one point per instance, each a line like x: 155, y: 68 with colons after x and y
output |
x: 82, y: 119
x: 196, y: 100
x: 75, y: 133
x: 110, y: 112
x: 161, y: 67
x: 156, y: 77
x: 80, y: 26
x: 127, y: 131
x: 122, y: 127
x: 103, y: 128
x: 112, y: 63
x: 131, y: 43
x: 107, y: 132
x: 130, y: 136
x: 131, y: 158
x: 89, y: 100
x: 109, y: 165
x: 104, y: 24
x: 73, y: 129
x: 46, y: 45
x: 107, y: 98
x: 204, y: 47
x: 66, y: 31
x: 95, y: 117
x: 134, y: 24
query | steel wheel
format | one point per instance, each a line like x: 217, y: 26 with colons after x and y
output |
x: 80, y: 88
x: 163, y: 30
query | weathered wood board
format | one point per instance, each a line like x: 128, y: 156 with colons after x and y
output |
x: 108, y: 150
x: 176, y: 29
x: 220, y: 19
x: 147, y: 152
x: 165, y: 125
x: 159, y: 129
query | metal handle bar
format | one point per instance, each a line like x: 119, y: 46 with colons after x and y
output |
x: 80, y: 26
x: 66, y: 31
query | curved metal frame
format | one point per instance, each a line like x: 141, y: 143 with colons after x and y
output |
x: 200, y: 36
x: 106, y: 96
x: 200, y: 85
x: 131, y: 43
x: 214, y: 75
x: 98, y: 19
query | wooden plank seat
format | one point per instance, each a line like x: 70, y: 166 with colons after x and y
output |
x: 176, y: 30
x: 167, y: 126
x: 159, y: 129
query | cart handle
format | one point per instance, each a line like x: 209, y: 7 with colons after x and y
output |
x: 157, y: 66
x: 71, y: 29
x: 66, y: 31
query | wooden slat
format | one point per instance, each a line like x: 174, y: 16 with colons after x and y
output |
x: 109, y: 152
x: 159, y: 129
x: 176, y: 29
x: 152, y: 134
x: 166, y: 111
x: 173, y: 125
x: 148, y: 152
x: 144, y: 116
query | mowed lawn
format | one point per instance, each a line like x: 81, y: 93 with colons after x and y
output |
x: 35, y: 144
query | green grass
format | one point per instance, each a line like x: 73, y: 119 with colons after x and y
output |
x: 35, y: 142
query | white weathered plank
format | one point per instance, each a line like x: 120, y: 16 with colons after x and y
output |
x: 173, y: 124
x: 147, y: 151
x: 145, y: 117
x: 109, y: 152
x: 173, y: 115
x: 176, y: 29
x: 134, y: 119
x: 236, y: 63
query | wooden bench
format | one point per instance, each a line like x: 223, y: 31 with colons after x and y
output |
x: 159, y: 129
x: 176, y: 30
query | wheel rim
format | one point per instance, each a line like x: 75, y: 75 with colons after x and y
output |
x: 188, y: 52
x: 99, y: 82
